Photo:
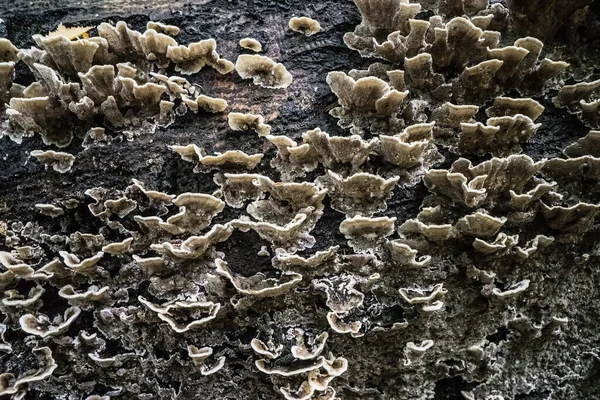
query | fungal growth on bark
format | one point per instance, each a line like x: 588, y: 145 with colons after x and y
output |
x: 244, y: 122
x: 251, y: 44
x: 403, y: 209
x: 263, y: 71
x: 305, y: 25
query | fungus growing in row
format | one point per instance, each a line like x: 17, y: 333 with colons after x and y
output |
x: 365, y: 234
x: 258, y: 285
x: 118, y: 248
x: 192, y: 58
x: 292, y: 236
x: 233, y: 158
x: 361, y: 193
x: 166, y: 312
x: 194, y: 247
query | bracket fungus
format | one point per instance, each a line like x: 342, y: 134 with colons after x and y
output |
x: 268, y: 350
x: 211, y: 104
x: 575, y: 169
x: 236, y: 189
x: 244, y: 122
x: 433, y: 232
x: 86, y: 266
x: 409, y: 149
x: 379, y: 19
x: 301, y: 352
x: 11, y: 385
x: 199, y: 356
x: 480, y: 224
x: 4, y: 345
x: 403, y: 255
x: 233, y: 158
x: 364, y: 99
x: 305, y: 25
x: 79, y: 80
x: 511, y: 291
x: 339, y: 326
x: 332, y: 151
x: 590, y: 113
x: 506, y: 106
x: 365, y: 233
x: 118, y: 248
x: 153, y: 195
x: 7, y: 72
x: 341, y: 295
x: 258, y: 285
x: 361, y: 193
x: 69, y: 56
x: 14, y: 265
x: 196, y: 211
x: 251, y: 44
x: 414, y: 352
x: 150, y: 265
x: 182, y: 316
x: 574, y: 219
x: 570, y: 95
x: 502, y: 243
x: 293, y: 235
x: 92, y: 294
x: 42, y: 325
x: 298, y: 368
x: 8, y: 51
x: 304, y: 392
x: 587, y: 145
x: 194, y: 247
x: 60, y: 162
x: 190, y: 152
x: 473, y: 185
x: 420, y: 295
x: 50, y: 210
x: 299, y: 195
x: 539, y: 242
x: 15, y: 299
x: 317, y: 386
x: 501, y: 136
x: 263, y: 71
x: 160, y: 27
x: 293, y: 262
x: 192, y: 58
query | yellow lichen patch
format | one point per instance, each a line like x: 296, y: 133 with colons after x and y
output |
x: 71, y: 33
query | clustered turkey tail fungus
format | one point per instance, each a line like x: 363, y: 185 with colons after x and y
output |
x: 377, y: 199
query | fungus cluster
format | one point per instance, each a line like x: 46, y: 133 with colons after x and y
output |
x: 292, y: 254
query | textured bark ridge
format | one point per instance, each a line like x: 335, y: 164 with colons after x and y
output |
x: 368, y: 199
